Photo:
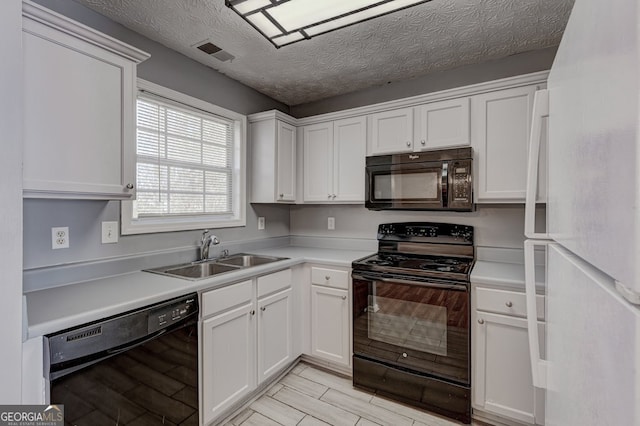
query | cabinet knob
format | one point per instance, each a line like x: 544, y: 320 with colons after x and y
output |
x: 333, y: 196
x: 252, y: 312
x: 404, y: 355
x: 423, y: 142
x: 263, y: 308
x: 480, y: 321
x: 129, y: 186
x: 281, y: 195
x: 408, y: 143
x: 327, y: 277
x: 344, y: 297
x: 328, y: 195
x: 509, y: 304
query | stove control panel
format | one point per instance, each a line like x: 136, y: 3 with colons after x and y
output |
x: 426, y: 232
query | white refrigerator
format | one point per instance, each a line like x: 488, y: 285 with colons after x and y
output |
x: 591, y: 368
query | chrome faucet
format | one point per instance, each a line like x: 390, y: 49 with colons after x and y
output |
x: 205, y: 244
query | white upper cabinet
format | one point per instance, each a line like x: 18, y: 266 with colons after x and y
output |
x: 391, y: 131
x: 317, y: 149
x: 436, y: 125
x: 272, y: 137
x: 334, y: 159
x: 79, y: 109
x: 501, y: 123
x: 349, y: 153
x: 443, y: 124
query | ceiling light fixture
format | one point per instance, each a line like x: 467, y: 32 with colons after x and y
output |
x: 285, y: 22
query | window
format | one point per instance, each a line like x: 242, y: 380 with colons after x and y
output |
x: 189, y: 162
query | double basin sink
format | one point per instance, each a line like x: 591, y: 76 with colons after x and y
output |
x: 207, y: 268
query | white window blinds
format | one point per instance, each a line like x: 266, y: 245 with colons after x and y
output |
x: 184, y: 160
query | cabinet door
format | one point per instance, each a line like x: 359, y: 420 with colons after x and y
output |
x: 274, y: 333
x: 330, y: 331
x: 391, y: 131
x: 79, y: 110
x: 502, y: 368
x: 228, y: 360
x: 349, y: 152
x: 286, y: 162
x: 443, y: 124
x: 500, y: 136
x: 318, y: 162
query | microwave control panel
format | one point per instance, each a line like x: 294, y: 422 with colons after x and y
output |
x: 461, y: 193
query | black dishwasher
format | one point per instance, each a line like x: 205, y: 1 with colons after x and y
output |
x: 136, y: 368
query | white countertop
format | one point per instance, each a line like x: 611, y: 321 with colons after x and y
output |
x: 508, y: 276
x: 59, y: 308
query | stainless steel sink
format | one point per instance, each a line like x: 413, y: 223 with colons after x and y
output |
x: 245, y: 260
x: 205, y: 269
x: 199, y: 271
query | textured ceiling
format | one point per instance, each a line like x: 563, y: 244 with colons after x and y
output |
x: 433, y: 36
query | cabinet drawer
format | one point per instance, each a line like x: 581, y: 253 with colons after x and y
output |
x: 274, y: 282
x: 506, y: 302
x: 330, y: 277
x: 215, y: 301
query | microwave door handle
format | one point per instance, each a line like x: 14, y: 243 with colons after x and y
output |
x: 540, y: 110
x: 445, y: 184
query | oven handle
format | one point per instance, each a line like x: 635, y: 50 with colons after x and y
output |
x: 456, y: 287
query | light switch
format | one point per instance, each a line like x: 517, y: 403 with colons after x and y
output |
x: 260, y: 223
x: 331, y: 223
x: 109, y: 232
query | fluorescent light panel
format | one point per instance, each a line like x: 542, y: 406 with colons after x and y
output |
x: 284, y: 22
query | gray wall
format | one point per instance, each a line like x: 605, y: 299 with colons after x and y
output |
x: 523, y: 63
x: 171, y: 69
x: 494, y: 225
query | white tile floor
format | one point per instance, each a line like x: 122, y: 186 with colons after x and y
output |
x: 309, y: 396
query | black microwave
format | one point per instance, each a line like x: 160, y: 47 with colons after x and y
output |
x: 428, y: 180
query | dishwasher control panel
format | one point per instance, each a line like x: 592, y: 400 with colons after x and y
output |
x: 172, y: 312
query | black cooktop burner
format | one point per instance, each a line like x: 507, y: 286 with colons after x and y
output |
x: 423, y: 249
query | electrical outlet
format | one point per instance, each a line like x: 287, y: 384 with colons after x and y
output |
x: 109, y: 232
x: 60, y: 237
x: 331, y: 223
x: 261, y: 223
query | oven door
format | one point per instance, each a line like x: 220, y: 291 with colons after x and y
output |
x: 406, y: 186
x: 413, y: 325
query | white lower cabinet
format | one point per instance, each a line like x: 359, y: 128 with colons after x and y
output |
x: 245, y: 338
x: 330, y: 335
x: 274, y: 333
x: 228, y: 360
x: 502, y: 385
x: 330, y: 320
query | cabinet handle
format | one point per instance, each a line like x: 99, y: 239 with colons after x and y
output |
x: 263, y: 308
x: 509, y: 304
x: 408, y: 143
x: 480, y: 321
x: 333, y: 196
x: 129, y: 186
x: 252, y: 312
x: 344, y: 297
x: 328, y: 195
x: 423, y: 142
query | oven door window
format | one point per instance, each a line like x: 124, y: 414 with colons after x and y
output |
x: 413, y: 326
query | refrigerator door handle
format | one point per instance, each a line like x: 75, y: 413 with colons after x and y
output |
x: 538, y: 365
x: 540, y: 111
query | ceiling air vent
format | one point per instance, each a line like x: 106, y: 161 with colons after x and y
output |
x: 215, y: 51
